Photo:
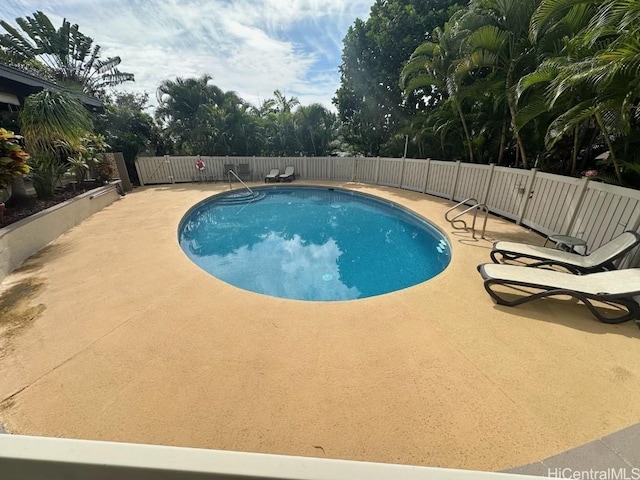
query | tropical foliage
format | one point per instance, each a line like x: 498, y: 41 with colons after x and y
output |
x: 128, y: 128
x: 547, y: 83
x: 369, y: 99
x: 198, y: 118
x: 53, y: 124
x: 13, y: 159
x: 50, y: 120
x: 64, y: 55
x: 553, y: 84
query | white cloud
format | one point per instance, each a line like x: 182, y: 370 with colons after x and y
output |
x: 300, y: 269
x: 250, y: 46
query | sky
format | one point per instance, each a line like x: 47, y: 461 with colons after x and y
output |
x: 252, y: 47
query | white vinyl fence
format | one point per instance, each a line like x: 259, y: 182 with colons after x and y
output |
x: 544, y: 202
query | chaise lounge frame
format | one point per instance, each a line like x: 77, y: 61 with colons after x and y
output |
x: 288, y: 175
x: 553, y: 283
x: 596, y: 261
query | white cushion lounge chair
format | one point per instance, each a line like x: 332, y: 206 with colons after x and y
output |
x: 601, y: 259
x: 272, y: 176
x: 288, y: 174
x: 615, y: 288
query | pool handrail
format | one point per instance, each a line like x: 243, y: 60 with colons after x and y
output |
x: 231, y: 172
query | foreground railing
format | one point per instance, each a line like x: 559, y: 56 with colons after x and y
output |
x: 547, y: 203
x: 39, y: 458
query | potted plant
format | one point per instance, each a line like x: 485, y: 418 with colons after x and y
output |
x: 105, y: 171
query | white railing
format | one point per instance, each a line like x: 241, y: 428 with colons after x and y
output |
x: 38, y: 458
x: 544, y: 202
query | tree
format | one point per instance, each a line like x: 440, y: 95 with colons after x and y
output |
x: 554, y: 80
x: 281, y: 125
x: 65, y: 55
x: 315, y: 127
x: 596, y: 74
x: 127, y: 128
x: 431, y: 72
x: 500, y: 48
x: 369, y: 99
x: 52, y: 123
x: 185, y: 109
x: 52, y: 119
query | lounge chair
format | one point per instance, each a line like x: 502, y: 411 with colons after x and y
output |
x: 601, y: 259
x: 288, y: 174
x: 272, y: 176
x: 615, y: 288
x: 244, y: 171
x: 225, y: 172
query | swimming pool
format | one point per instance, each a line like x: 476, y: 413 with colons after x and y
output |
x: 311, y: 243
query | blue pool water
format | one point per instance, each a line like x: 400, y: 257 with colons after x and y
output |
x: 310, y: 243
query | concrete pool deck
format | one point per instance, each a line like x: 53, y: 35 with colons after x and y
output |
x: 117, y: 335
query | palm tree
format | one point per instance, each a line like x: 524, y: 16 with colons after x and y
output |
x: 50, y: 119
x: 51, y: 122
x: 315, y: 126
x: 186, y: 107
x: 596, y: 74
x: 431, y: 71
x: 66, y: 55
x: 501, y: 47
x: 282, y: 123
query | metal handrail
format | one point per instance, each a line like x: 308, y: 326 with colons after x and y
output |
x: 466, y: 200
x: 231, y: 172
x: 475, y: 207
x: 485, y: 208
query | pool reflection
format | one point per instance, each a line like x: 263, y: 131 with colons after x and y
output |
x: 283, y: 267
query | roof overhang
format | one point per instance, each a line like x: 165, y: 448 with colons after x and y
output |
x: 20, y: 85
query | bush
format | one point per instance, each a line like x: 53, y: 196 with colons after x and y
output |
x: 13, y: 159
x: 46, y: 173
x: 105, y: 171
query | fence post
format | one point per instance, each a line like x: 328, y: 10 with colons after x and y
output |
x: 485, y: 195
x: 576, y: 201
x: 140, y: 176
x: 402, y: 172
x: 377, y: 171
x: 354, y: 170
x: 426, y: 179
x: 528, y: 193
x: 455, y: 182
x: 167, y: 162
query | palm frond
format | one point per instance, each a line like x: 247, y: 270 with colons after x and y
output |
x: 566, y: 122
x: 549, y: 9
x: 489, y: 37
x: 545, y: 73
x: 50, y: 117
x: 532, y: 110
x: 420, y: 82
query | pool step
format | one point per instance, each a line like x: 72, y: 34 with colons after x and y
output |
x: 241, y: 198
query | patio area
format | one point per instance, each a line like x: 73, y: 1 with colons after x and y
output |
x: 119, y: 336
